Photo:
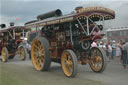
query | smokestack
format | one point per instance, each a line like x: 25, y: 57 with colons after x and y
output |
x: 78, y: 8
x: 11, y: 23
x: 3, y: 25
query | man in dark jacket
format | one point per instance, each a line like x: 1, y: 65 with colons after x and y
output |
x: 126, y: 49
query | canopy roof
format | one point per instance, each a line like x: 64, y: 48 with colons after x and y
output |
x: 16, y: 28
x: 91, y: 12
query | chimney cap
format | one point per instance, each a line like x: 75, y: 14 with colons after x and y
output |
x: 11, y: 23
x: 79, y: 7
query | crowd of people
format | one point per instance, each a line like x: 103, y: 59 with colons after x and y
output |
x: 115, y: 50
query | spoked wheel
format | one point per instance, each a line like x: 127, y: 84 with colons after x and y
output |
x: 97, y: 60
x: 40, y: 54
x: 69, y: 63
x: 22, y: 52
x: 4, y: 54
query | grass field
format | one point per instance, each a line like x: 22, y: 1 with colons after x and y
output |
x: 11, y: 74
x: 11, y: 77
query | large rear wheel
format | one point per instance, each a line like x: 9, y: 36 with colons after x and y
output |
x: 97, y: 59
x: 69, y: 63
x: 40, y: 54
x: 4, y: 54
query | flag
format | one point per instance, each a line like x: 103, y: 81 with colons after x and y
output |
x: 17, y: 19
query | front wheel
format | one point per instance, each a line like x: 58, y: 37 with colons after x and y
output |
x: 4, y: 54
x: 22, y: 52
x: 97, y: 59
x: 69, y: 63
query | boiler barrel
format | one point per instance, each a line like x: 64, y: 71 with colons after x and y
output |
x: 30, y: 22
x: 50, y: 14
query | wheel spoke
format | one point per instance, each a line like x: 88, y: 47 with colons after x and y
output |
x: 42, y: 51
x: 34, y: 54
x: 42, y: 60
x: 35, y: 48
x: 37, y: 61
x: 71, y: 69
x: 40, y: 47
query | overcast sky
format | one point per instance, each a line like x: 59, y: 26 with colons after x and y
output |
x: 21, y: 11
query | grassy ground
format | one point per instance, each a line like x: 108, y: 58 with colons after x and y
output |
x: 22, y: 75
x: 11, y: 77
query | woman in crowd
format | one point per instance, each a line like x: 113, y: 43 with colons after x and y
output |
x: 109, y: 50
x: 118, y: 52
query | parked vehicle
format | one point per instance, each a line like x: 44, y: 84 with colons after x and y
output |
x: 11, y: 39
x: 67, y: 39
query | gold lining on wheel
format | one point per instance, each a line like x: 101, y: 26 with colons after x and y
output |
x: 67, y: 64
x: 22, y: 54
x: 96, y: 60
x: 3, y: 55
x: 37, y: 54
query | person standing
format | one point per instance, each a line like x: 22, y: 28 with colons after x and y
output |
x: 94, y: 44
x: 107, y: 47
x: 113, y: 49
x: 118, y: 52
x: 102, y: 45
x: 126, y: 49
x: 124, y: 55
x: 109, y: 50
